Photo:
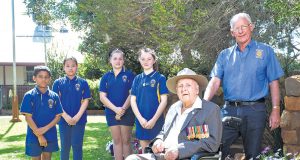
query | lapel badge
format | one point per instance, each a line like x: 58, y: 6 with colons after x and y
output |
x: 152, y: 82
x: 50, y: 103
x: 124, y: 78
x: 77, y: 86
x: 259, y: 53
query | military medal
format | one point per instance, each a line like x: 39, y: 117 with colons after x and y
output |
x: 198, y: 133
x: 206, y: 131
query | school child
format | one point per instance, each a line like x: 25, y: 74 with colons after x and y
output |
x: 148, y: 98
x: 114, y: 91
x: 74, y: 94
x: 42, y: 110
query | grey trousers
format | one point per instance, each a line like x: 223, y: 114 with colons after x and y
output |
x: 146, y: 156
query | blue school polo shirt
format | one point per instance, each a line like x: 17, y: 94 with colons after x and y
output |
x: 116, y: 87
x: 246, y: 75
x: 148, y: 89
x: 71, y: 93
x: 43, y: 108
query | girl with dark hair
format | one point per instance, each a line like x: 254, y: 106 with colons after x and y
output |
x: 74, y: 94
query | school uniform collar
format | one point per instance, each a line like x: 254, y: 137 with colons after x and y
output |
x: 39, y: 92
x: 74, y: 79
x: 122, y: 70
x: 151, y: 74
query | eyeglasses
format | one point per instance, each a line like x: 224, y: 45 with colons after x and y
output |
x: 242, y: 28
x: 42, y: 77
x: 187, y: 86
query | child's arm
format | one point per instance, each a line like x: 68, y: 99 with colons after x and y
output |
x: 32, y: 125
x: 159, y: 111
x: 82, y: 109
x: 109, y: 104
x: 42, y: 141
x: 30, y: 122
x: 43, y: 130
x: 126, y: 104
x: 136, y: 111
x: 124, y: 107
x: 68, y: 118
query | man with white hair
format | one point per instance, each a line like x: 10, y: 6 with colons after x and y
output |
x: 247, y: 71
x: 191, y: 125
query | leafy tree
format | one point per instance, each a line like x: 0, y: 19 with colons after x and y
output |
x: 287, y: 24
x: 172, y: 26
x: 184, y: 33
x: 55, y: 64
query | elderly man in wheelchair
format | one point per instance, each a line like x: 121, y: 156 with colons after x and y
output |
x: 193, y: 127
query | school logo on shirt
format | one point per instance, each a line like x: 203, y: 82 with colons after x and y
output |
x: 124, y: 78
x: 152, y: 82
x: 50, y: 103
x: 259, y: 53
x: 77, y: 86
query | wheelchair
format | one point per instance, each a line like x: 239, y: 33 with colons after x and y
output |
x: 200, y: 155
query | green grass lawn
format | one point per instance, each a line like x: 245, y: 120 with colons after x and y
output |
x: 12, y: 139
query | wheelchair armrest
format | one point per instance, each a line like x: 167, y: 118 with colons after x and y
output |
x: 148, y: 150
x: 199, y: 155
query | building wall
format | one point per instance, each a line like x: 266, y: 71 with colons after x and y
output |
x: 1, y: 75
x: 21, y: 75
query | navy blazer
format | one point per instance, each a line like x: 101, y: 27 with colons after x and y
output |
x: 208, y: 114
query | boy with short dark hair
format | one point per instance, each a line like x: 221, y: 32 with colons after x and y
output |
x: 42, y: 110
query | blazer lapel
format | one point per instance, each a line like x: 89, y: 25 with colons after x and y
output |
x: 189, y: 118
x: 170, y: 126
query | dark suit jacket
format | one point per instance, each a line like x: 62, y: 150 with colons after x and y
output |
x: 207, y: 114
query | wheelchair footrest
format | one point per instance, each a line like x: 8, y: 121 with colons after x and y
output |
x: 202, y: 154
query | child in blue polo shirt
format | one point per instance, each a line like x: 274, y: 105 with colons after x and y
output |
x: 74, y: 94
x: 114, y: 94
x: 148, y: 98
x: 42, y: 110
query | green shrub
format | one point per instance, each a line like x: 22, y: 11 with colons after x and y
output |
x: 94, y: 103
x: 269, y: 154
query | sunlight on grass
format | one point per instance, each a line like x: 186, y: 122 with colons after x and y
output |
x: 13, y: 135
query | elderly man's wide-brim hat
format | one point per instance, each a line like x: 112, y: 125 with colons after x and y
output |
x: 187, y: 73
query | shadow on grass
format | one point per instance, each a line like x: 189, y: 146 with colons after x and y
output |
x: 94, y: 147
x: 15, y: 138
x: 8, y: 129
x: 96, y: 137
x: 15, y: 149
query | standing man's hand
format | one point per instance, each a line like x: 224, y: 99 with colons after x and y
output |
x: 212, y: 88
x: 274, y: 120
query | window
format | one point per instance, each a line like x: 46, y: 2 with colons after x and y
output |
x: 29, y: 74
